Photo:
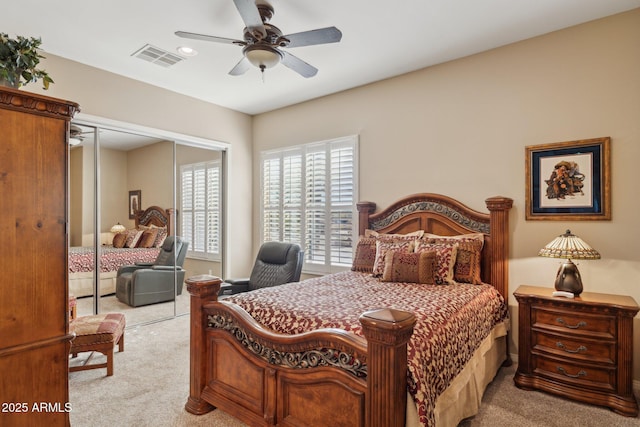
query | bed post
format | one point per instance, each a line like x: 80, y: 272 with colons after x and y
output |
x: 499, y: 222
x: 171, y: 212
x: 364, y: 210
x: 387, y: 332
x: 203, y: 289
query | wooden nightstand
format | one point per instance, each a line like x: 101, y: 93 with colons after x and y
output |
x: 579, y: 348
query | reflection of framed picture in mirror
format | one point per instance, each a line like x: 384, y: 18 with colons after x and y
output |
x: 134, y: 202
x: 569, y: 180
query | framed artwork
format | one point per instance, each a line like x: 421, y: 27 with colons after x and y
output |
x: 569, y: 180
x: 134, y: 202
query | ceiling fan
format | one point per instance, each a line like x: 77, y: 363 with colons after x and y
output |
x: 263, y: 41
x: 76, y: 135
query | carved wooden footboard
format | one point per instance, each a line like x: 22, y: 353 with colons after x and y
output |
x: 327, y: 376
x: 268, y: 379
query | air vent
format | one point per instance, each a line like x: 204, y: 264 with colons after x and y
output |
x: 157, y: 56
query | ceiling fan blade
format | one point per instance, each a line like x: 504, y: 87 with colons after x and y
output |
x: 298, y: 65
x: 319, y: 36
x: 195, y: 36
x: 251, y: 18
x: 240, y: 68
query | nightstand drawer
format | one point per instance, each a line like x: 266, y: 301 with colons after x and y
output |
x: 596, y: 351
x: 576, y: 374
x: 574, y: 322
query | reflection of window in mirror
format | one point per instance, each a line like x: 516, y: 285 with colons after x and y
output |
x: 199, y: 201
x: 200, y: 208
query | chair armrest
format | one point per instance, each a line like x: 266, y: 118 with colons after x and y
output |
x: 236, y: 287
x: 128, y: 269
x: 237, y: 281
x: 144, y: 264
x: 166, y: 268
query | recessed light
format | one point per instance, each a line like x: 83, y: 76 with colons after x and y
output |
x: 187, y: 51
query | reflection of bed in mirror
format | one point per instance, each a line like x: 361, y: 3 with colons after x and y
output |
x: 152, y: 225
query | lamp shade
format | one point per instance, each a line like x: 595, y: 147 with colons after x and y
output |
x: 118, y: 228
x: 569, y: 246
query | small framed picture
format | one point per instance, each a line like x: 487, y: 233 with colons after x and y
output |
x: 568, y: 180
x: 134, y: 202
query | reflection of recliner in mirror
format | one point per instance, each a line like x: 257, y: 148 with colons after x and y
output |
x: 144, y: 284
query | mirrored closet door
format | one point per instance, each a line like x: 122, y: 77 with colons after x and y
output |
x: 140, y: 199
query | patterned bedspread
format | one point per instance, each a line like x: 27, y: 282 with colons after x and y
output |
x: 81, y: 258
x: 451, y: 320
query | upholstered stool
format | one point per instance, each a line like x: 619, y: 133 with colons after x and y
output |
x: 99, y: 332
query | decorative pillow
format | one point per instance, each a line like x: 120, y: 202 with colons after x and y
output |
x: 445, y: 260
x: 148, y: 238
x: 467, y: 268
x: 470, y: 236
x: 385, y: 245
x: 365, y: 255
x: 119, y: 240
x: 160, y: 237
x: 133, y: 236
x: 372, y: 233
x: 409, y: 267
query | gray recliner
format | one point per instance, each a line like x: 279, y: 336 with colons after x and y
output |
x: 150, y: 283
x: 276, y: 263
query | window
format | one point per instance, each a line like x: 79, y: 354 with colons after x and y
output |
x: 308, y: 197
x: 200, y: 209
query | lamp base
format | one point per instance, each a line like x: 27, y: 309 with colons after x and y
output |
x: 568, y: 278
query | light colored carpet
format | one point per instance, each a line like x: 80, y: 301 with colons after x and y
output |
x: 150, y: 386
x: 136, y: 315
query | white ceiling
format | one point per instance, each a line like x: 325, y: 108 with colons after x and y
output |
x: 380, y: 39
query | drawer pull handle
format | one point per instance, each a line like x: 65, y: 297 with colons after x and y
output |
x: 580, y: 349
x: 582, y: 373
x: 581, y: 324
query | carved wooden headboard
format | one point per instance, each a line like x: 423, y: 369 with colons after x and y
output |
x: 155, y: 215
x: 438, y: 214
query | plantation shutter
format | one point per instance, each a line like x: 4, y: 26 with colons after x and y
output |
x: 200, y: 209
x: 308, y: 197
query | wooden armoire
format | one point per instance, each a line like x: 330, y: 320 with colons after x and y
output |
x: 34, y: 325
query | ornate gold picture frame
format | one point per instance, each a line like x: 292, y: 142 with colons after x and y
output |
x: 569, y: 180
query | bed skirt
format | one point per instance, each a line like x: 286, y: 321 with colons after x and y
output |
x: 81, y: 284
x: 463, y: 396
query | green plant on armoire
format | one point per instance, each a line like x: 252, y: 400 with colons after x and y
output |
x: 19, y: 58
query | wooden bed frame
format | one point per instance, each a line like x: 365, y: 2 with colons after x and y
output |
x: 245, y: 369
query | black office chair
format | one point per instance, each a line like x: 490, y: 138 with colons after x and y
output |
x: 276, y: 263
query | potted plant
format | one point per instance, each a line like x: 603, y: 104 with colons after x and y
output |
x: 18, y: 60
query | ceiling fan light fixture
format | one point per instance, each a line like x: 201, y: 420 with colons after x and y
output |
x: 262, y: 56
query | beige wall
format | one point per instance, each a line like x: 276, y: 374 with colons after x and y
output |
x: 150, y: 170
x: 460, y: 129
x: 114, y: 97
x: 114, y: 206
x: 75, y: 196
